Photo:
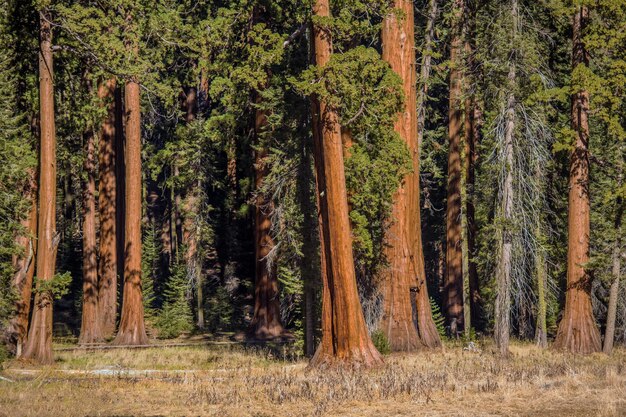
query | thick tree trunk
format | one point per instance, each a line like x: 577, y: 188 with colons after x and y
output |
x: 90, y: 324
x: 107, y: 200
x: 120, y: 182
x: 578, y: 332
x: 345, y: 338
x: 132, y: 330
x: 24, y: 267
x: 404, y: 250
x: 39, y: 345
x: 454, y: 257
x: 266, y: 320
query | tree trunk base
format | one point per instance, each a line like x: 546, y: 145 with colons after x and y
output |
x: 578, y: 334
x: 364, y: 356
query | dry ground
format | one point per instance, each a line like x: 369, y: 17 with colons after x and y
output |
x: 234, y: 381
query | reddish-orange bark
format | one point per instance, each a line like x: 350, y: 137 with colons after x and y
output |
x: 266, y: 320
x: 345, y: 338
x: 578, y: 331
x: 453, y: 285
x: 39, y: 344
x: 132, y: 329
x: 404, y: 250
x: 107, y: 197
x: 90, y: 323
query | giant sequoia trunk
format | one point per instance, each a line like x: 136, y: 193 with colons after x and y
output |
x: 24, y: 267
x: 578, y: 332
x: 132, y: 330
x: 344, y: 335
x: 39, y: 345
x: 453, y: 285
x: 266, y: 320
x: 404, y: 251
x: 90, y: 324
x: 107, y: 197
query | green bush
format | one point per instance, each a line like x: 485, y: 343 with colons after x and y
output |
x: 381, y: 342
x: 176, y: 317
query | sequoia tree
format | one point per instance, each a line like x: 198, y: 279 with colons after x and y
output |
x: 107, y: 197
x: 453, y: 284
x: 39, y: 344
x: 578, y: 332
x: 404, y: 251
x: 90, y: 324
x: 344, y: 335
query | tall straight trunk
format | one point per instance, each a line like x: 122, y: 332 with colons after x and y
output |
x: 107, y: 198
x: 578, y: 332
x: 425, y: 69
x: 266, y: 320
x: 404, y: 250
x: 471, y: 137
x: 39, y: 344
x: 90, y: 324
x: 24, y: 267
x: 609, y: 334
x: 345, y: 338
x: 132, y: 330
x: 505, y: 251
x: 454, y: 256
x: 120, y: 183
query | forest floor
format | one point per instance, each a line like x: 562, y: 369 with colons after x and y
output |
x: 233, y: 380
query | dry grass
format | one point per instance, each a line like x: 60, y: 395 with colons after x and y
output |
x: 236, y: 382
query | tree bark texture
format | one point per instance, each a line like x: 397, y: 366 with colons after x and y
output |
x: 404, y: 251
x: 39, y: 344
x: 24, y: 267
x: 578, y: 332
x: 425, y: 68
x: 453, y: 286
x: 90, y: 323
x: 345, y: 338
x: 266, y: 320
x: 107, y: 201
x: 132, y: 330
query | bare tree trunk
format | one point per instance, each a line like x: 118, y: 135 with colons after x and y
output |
x: 90, y: 324
x: 266, y: 320
x: 578, y: 332
x: 107, y: 198
x: 39, y: 344
x: 24, y: 267
x: 503, y: 269
x: 132, y: 330
x: 454, y: 255
x: 348, y: 341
